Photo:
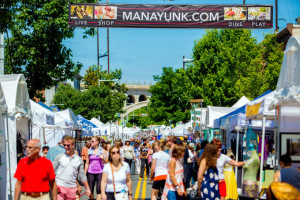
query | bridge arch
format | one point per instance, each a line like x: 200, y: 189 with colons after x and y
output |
x: 142, y: 97
x: 130, y: 99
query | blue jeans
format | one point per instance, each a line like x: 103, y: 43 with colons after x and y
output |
x: 173, y: 195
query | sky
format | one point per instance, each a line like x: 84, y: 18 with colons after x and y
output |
x: 143, y: 52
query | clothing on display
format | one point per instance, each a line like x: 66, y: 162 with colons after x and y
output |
x: 249, y: 186
x: 250, y: 139
x: 231, y: 185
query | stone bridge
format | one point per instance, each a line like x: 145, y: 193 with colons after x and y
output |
x: 138, y: 96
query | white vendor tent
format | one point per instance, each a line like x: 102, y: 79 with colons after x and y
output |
x: 288, y: 85
x: 215, y: 113
x: 287, y: 92
x: 258, y: 109
x: 69, y: 115
x: 181, y: 129
x: 47, y: 126
x: 18, y: 122
x: 3, y: 168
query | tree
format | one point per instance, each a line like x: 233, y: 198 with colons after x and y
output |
x: 230, y: 63
x: 170, y: 97
x: 104, y: 100
x: 35, y: 47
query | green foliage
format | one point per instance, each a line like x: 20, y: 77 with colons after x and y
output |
x: 228, y: 64
x: 93, y: 102
x: 35, y: 48
x: 170, y: 96
x: 141, y: 118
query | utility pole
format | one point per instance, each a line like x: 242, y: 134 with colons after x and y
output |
x: 276, y: 13
x: 183, y: 62
x: 2, y: 54
x: 98, y: 54
x: 107, y: 47
x: 244, y: 2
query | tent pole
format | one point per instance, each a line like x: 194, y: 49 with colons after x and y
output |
x: 246, y: 127
x: 44, y: 136
x: 275, y: 138
x: 278, y: 137
x: 237, y: 152
x: 8, y: 153
x: 262, y: 152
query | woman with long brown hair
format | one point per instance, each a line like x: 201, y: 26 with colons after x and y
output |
x: 221, y: 161
x: 208, y: 173
x: 174, y: 188
x: 116, y: 176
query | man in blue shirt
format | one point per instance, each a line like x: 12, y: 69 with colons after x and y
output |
x: 56, y: 150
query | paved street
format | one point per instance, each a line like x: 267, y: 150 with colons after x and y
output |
x: 141, y: 189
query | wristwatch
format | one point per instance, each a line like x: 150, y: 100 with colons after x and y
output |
x: 176, y: 187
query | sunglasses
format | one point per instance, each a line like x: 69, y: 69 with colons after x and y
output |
x: 115, y: 152
x: 67, y: 145
x: 28, y: 147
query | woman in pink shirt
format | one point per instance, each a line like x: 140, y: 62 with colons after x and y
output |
x: 95, y: 161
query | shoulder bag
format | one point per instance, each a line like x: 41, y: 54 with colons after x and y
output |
x: 121, y: 195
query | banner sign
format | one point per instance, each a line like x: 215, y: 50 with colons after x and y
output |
x: 171, y: 16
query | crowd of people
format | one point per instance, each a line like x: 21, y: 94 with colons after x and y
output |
x: 173, y: 166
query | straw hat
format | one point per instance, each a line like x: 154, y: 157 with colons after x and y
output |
x: 283, y: 191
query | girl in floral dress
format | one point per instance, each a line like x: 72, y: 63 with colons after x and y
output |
x: 208, y: 173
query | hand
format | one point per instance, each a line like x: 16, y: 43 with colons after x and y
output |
x: 180, y: 193
x: 104, y: 197
x: 101, y: 156
x: 88, y: 192
x: 78, y: 189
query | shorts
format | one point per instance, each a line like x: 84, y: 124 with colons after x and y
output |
x: 159, y: 185
x: 222, y: 188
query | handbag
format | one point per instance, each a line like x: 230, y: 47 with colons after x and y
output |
x: 121, y: 195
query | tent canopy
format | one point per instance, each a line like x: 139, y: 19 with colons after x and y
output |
x: 3, y: 106
x: 86, y: 125
x: 241, y: 102
x: 14, y: 87
x: 43, y: 117
x: 218, y: 122
x: 288, y: 85
x: 69, y: 115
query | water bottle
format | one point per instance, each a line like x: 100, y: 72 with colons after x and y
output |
x: 123, y: 191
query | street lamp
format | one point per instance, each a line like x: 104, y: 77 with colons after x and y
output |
x: 186, y: 60
x: 113, y: 80
x: 195, y: 104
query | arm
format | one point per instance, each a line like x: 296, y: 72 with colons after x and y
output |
x: 87, y: 164
x: 83, y: 179
x: 150, y: 152
x: 277, y: 177
x: 133, y: 154
x: 103, y: 185
x: 18, y: 189
x: 128, y: 183
x: 191, y: 155
x: 152, y: 168
x: 172, y: 166
x: 234, y: 163
x: 54, y: 189
x: 201, y: 171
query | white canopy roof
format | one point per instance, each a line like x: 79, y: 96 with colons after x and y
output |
x: 69, y: 115
x: 3, y: 106
x: 241, y: 102
x: 96, y: 122
x: 288, y: 85
x: 181, y: 129
x: 14, y: 87
x: 43, y: 117
x: 217, y: 112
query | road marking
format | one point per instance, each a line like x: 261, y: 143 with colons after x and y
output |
x: 137, y: 191
x: 144, y: 188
